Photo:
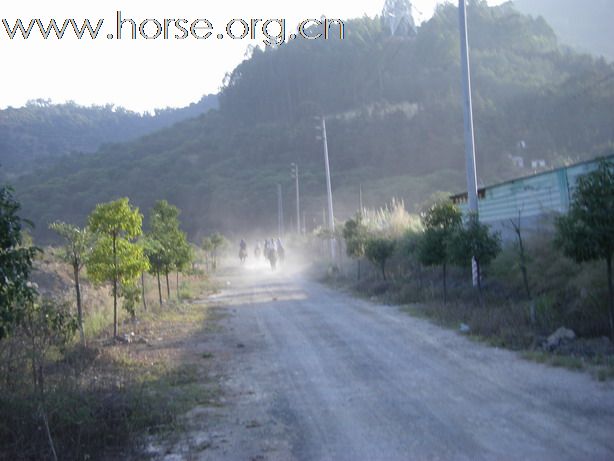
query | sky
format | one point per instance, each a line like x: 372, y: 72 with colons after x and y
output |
x: 144, y: 74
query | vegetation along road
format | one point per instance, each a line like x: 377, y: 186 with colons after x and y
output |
x: 312, y: 374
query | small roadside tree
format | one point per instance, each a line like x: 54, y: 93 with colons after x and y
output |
x: 46, y: 324
x: 77, y: 247
x: 154, y: 253
x: 355, y: 235
x: 217, y: 242
x: 440, y: 222
x: 115, y: 258
x: 409, y: 247
x: 182, y: 257
x: 586, y: 233
x: 523, y: 260
x: 474, y: 240
x: 174, y: 249
x: 164, y: 223
x: 378, y: 250
x: 207, y: 248
x: 522, y: 257
x: 15, y: 264
x: 131, y: 295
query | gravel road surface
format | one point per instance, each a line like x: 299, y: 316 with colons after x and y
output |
x: 313, y: 374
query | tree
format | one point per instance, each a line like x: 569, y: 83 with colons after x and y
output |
x: 378, y: 250
x: 46, y: 323
x: 183, y: 257
x: 207, y: 248
x: 131, y: 295
x: 164, y: 223
x: 143, y: 244
x: 522, y: 256
x: 409, y: 247
x: 586, y: 233
x: 440, y: 221
x: 77, y: 246
x: 115, y: 258
x: 474, y: 241
x: 174, y: 251
x: 217, y: 242
x: 355, y: 235
x: 154, y: 252
x: 522, y: 263
x: 15, y: 265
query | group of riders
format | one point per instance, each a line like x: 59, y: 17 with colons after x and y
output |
x: 271, y: 249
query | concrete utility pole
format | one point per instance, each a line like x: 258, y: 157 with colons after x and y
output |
x: 298, y: 199
x: 472, y: 186
x: 331, y: 217
x: 280, y: 213
x: 360, y: 200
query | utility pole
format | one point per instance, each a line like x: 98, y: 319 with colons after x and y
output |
x: 298, y: 199
x: 280, y: 213
x: 472, y: 187
x: 331, y: 217
x: 360, y: 200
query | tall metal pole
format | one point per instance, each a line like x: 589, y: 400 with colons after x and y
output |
x: 298, y: 199
x: 331, y: 217
x: 280, y: 213
x: 360, y: 200
x: 472, y: 186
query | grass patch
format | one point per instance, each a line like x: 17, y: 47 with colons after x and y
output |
x: 605, y: 374
x: 503, y: 326
x: 500, y: 327
x: 436, y: 315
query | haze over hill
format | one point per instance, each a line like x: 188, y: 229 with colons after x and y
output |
x: 394, y: 116
x: 586, y: 26
x: 42, y: 131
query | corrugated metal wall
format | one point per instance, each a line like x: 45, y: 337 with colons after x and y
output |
x: 532, y: 198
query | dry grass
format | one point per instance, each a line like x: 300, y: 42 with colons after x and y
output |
x: 103, y: 400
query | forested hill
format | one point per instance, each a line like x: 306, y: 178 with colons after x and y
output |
x: 586, y: 26
x: 394, y: 119
x: 41, y: 131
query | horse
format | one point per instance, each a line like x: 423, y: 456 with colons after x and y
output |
x: 281, y: 253
x: 242, y: 255
x: 272, y: 257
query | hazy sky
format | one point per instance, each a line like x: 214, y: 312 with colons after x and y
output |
x: 145, y: 74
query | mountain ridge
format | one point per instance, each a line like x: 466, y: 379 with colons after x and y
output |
x: 403, y: 94
x: 42, y: 131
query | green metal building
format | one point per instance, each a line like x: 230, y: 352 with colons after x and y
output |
x: 532, y: 199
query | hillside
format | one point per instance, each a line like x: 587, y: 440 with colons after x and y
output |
x: 394, y: 119
x: 41, y: 131
x: 586, y: 26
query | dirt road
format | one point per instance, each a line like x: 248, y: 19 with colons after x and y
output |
x: 311, y: 374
